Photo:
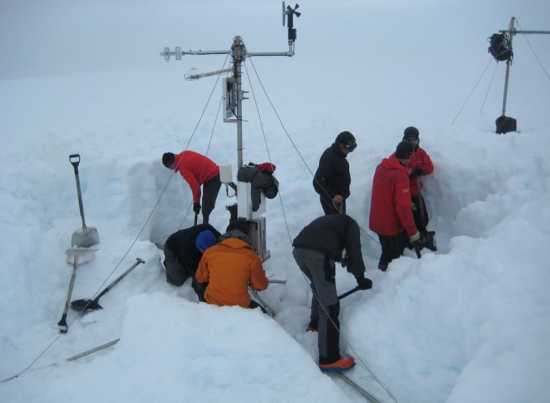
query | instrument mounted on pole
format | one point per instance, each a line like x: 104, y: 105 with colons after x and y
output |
x: 233, y: 96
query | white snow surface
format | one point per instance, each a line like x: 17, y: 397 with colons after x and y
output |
x: 468, y: 323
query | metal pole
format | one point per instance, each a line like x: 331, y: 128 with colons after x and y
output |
x: 527, y: 32
x: 238, y: 52
x: 508, y: 64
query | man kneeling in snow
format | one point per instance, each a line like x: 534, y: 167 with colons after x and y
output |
x: 229, y: 268
x: 183, y: 251
x: 316, y: 248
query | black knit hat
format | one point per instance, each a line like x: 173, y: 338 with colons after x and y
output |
x: 168, y: 159
x: 411, y: 132
x: 404, y: 150
x: 347, y: 139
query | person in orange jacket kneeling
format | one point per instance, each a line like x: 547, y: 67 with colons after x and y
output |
x: 229, y: 268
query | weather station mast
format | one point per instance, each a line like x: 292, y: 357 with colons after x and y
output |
x: 233, y: 96
x: 501, y: 49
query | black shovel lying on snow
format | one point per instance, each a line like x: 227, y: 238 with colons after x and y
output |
x: 84, y: 305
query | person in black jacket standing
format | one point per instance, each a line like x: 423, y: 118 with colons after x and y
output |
x: 332, y: 178
x: 328, y: 239
x: 183, y: 251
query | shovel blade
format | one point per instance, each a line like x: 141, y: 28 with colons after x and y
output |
x: 85, y: 237
x: 82, y: 305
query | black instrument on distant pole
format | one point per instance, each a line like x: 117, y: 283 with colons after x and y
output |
x: 501, y: 49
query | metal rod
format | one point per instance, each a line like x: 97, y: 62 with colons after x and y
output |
x: 289, y: 54
x: 210, y: 73
x: 93, y: 350
x: 274, y: 281
x: 524, y: 32
x: 508, y: 64
x: 205, y: 52
x: 238, y: 54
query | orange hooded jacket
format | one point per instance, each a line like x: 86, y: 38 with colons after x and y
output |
x: 229, y: 268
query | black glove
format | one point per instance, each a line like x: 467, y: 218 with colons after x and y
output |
x: 416, y: 173
x: 196, y: 207
x: 417, y: 242
x: 364, y: 283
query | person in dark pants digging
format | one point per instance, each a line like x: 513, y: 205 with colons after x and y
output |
x: 183, y: 251
x: 328, y: 239
x: 332, y: 179
x: 391, y: 214
x: 420, y: 165
x: 198, y: 170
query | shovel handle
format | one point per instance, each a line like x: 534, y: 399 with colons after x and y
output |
x: 344, y: 295
x: 119, y: 278
x: 74, y: 159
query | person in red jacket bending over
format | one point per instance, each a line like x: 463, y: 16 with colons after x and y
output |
x: 391, y: 214
x: 420, y: 165
x: 198, y: 170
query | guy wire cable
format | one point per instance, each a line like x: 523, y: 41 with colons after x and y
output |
x: 471, y: 93
x: 294, y: 143
x: 155, y: 206
x: 267, y: 149
x: 488, y: 88
x: 323, y: 307
x: 535, y: 54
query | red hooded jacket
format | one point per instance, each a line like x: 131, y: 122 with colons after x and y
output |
x: 196, y: 169
x: 419, y: 160
x: 391, y: 210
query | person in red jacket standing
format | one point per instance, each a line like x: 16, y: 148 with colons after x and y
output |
x: 391, y: 209
x: 198, y: 170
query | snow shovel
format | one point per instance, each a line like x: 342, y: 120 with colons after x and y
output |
x: 85, y: 305
x: 86, y: 236
x: 344, y: 295
x: 73, y: 255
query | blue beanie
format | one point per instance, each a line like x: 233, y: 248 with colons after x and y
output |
x: 204, y: 240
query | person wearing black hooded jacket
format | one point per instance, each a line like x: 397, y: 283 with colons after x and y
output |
x: 326, y: 240
x: 332, y: 179
x: 181, y: 256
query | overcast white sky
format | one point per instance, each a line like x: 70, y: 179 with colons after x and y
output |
x: 57, y: 37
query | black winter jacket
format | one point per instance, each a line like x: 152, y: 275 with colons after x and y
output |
x: 332, y: 175
x: 261, y: 182
x: 182, y: 244
x: 330, y: 235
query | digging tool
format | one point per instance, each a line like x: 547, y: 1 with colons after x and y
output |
x: 84, y: 305
x: 73, y: 255
x: 86, y: 236
x: 344, y: 295
x: 93, y: 350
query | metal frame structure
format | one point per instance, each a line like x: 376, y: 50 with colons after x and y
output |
x: 239, y: 53
x: 501, y: 126
x: 234, y: 96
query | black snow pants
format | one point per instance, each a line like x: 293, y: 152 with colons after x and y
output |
x: 420, y: 213
x: 325, y: 306
x: 176, y: 273
x: 210, y: 191
x: 392, y: 247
